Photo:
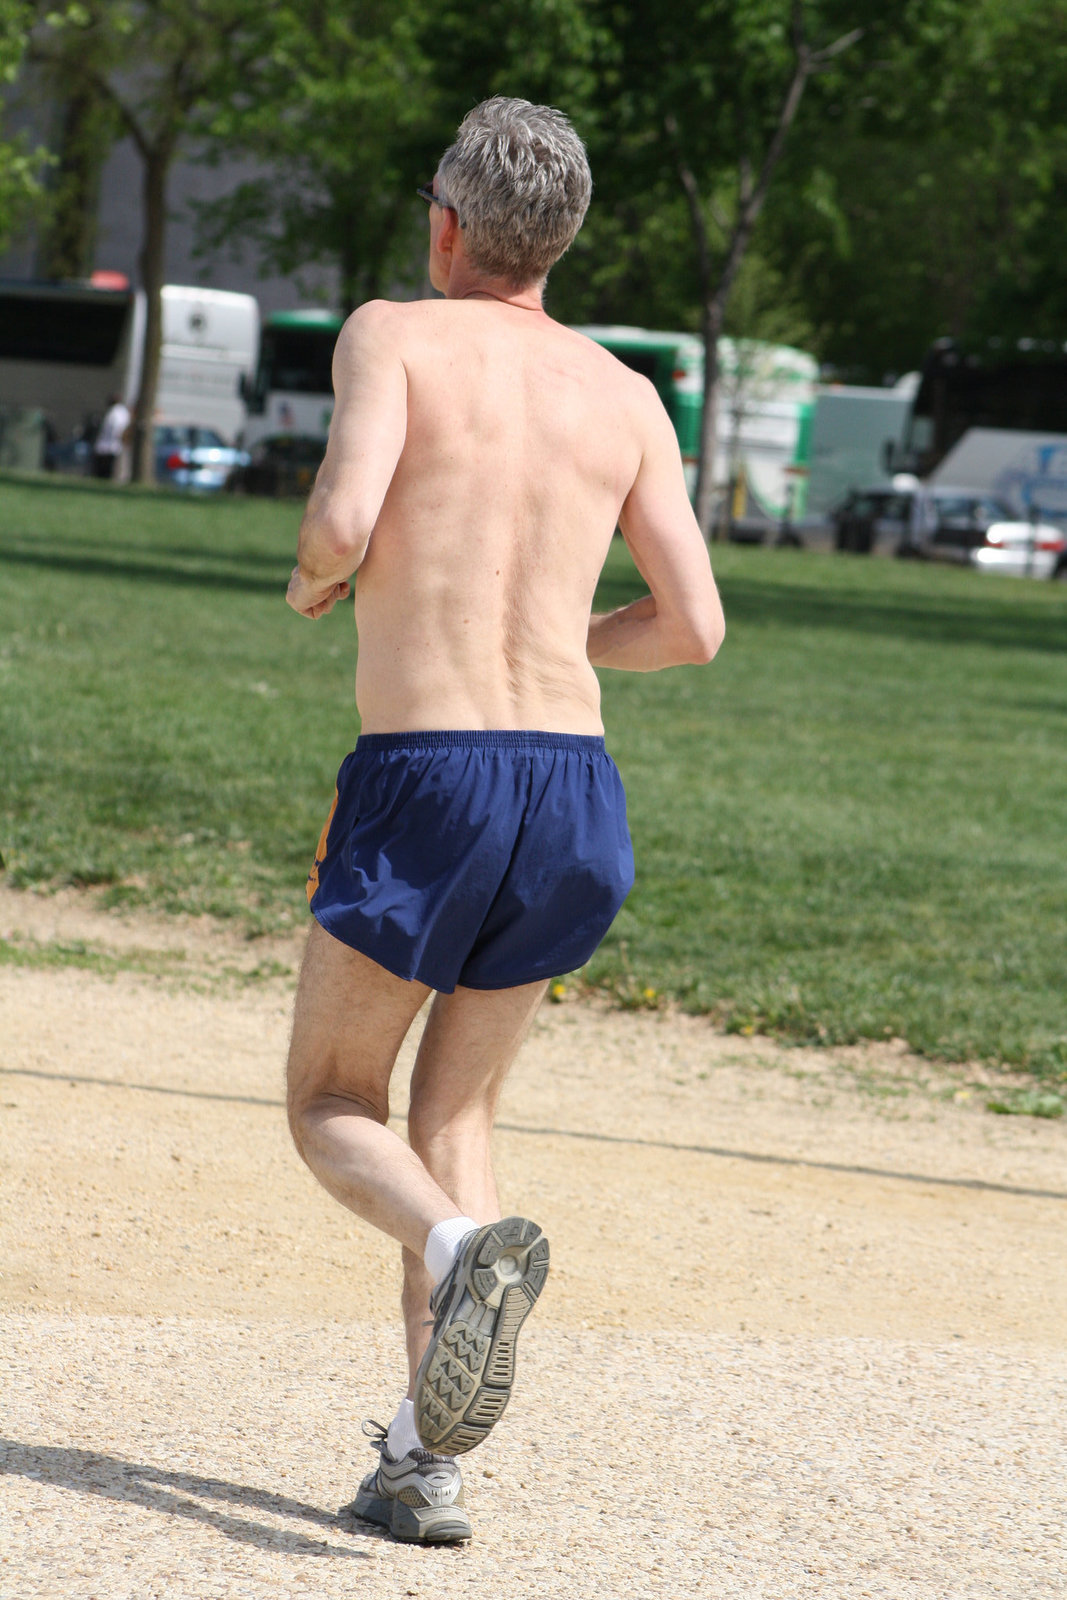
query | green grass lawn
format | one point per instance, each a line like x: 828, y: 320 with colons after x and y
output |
x: 851, y: 825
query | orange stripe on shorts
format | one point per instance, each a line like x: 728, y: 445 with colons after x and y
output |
x: 320, y: 853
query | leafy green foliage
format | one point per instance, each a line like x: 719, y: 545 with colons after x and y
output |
x: 22, y: 166
x: 72, y: 66
x: 919, y: 192
x: 927, y: 203
x: 337, y: 106
x: 352, y: 105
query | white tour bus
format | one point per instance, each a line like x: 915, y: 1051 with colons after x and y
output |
x: 64, y: 348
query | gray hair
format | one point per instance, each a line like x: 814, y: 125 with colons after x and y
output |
x: 518, y: 178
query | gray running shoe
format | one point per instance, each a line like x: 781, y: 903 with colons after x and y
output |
x: 418, y: 1498
x: 464, y: 1380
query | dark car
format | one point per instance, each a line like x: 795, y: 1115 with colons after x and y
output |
x: 195, y: 458
x: 869, y: 517
x: 912, y: 519
x: 957, y: 522
x: 282, y: 464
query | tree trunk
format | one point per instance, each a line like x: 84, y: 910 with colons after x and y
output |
x: 752, y: 192
x: 351, y: 271
x: 712, y: 321
x: 156, y: 166
x: 68, y: 241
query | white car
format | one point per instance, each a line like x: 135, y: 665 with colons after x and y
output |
x: 1020, y: 549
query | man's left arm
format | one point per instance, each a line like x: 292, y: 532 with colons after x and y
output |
x: 366, y: 438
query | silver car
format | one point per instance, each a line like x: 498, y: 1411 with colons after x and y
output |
x: 978, y: 530
x: 1022, y: 550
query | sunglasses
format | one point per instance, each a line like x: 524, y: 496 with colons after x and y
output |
x: 427, y: 194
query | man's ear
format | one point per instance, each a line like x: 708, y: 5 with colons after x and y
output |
x: 449, y: 231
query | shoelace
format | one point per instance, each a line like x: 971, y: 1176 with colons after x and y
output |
x: 379, y: 1436
x: 374, y: 1432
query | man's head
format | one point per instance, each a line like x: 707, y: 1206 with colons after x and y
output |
x: 518, y: 179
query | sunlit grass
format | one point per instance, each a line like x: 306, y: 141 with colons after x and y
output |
x: 850, y: 826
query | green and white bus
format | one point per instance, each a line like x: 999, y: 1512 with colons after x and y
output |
x: 766, y: 404
x: 291, y: 395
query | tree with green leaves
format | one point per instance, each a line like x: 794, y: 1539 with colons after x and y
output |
x: 86, y: 126
x: 931, y: 201
x: 157, y: 63
x: 334, y: 111
x: 705, y: 97
x: 22, y: 165
x: 352, y: 107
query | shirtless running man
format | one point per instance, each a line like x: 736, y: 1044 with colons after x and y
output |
x: 480, y: 458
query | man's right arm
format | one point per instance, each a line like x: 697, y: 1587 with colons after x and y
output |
x: 681, y: 619
x: 367, y: 434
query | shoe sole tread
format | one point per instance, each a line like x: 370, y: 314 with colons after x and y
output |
x: 464, y: 1381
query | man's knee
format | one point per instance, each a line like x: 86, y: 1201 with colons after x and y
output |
x: 311, y: 1111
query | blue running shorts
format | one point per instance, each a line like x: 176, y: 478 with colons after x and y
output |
x: 483, y: 859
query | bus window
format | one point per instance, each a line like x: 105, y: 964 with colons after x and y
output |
x: 74, y: 329
x: 300, y: 361
x: 292, y: 396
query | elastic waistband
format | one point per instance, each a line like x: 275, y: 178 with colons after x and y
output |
x: 481, y: 739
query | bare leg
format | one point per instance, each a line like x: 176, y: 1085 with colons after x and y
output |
x: 350, y: 1020
x: 470, y: 1040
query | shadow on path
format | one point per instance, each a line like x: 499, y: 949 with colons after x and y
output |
x: 723, y: 1152
x: 172, y: 1494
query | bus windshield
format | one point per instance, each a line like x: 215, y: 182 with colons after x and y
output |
x: 292, y: 396
x: 298, y: 360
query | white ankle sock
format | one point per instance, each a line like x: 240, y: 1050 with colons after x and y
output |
x: 402, y: 1436
x: 443, y: 1242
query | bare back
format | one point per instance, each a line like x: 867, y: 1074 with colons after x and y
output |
x: 480, y: 459
x: 473, y: 600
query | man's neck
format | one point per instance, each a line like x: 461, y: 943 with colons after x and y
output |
x: 475, y: 288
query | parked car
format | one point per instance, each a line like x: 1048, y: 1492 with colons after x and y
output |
x: 73, y: 455
x: 980, y: 531
x: 940, y: 523
x: 869, y: 517
x: 281, y: 464
x: 1023, y: 550
x: 195, y: 458
x: 959, y: 523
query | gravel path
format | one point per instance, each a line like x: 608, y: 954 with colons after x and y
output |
x: 803, y: 1335
x: 178, y: 1457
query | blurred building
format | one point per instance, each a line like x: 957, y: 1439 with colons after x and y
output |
x: 119, y: 234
